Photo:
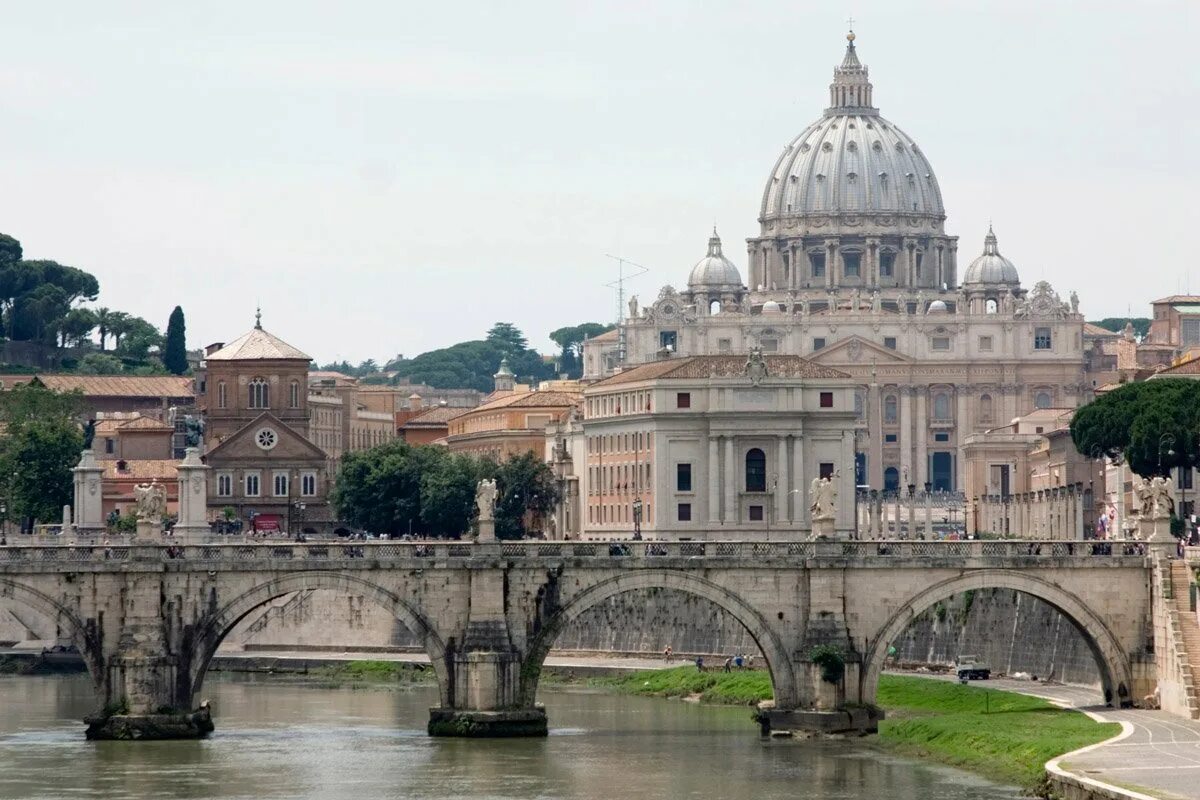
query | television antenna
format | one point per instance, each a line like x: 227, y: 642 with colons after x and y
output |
x: 619, y: 285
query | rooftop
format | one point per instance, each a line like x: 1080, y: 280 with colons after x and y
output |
x: 258, y: 344
x: 141, y: 469
x: 547, y: 399
x: 726, y: 366
x: 434, y: 417
x: 121, y: 385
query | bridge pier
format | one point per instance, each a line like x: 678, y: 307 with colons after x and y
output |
x: 140, y: 695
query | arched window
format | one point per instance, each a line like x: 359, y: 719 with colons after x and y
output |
x: 889, y: 410
x: 756, y: 470
x: 714, y: 307
x: 294, y: 395
x: 985, y: 408
x: 221, y: 398
x: 1042, y: 400
x: 260, y: 394
x: 891, y: 479
x: 941, y: 406
x: 991, y: 306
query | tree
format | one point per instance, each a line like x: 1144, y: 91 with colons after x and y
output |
x: 528, y: 493
x: 448, y: 496
x: 1141, y: 325
x: 103, y: 320
x: 77, y: 326
x: 99, y: 364
x: 380, y: 489
x: 570, y: 343
x: 1154, y: 425
x: 175, y: 352
x: 138, y: 337
x: 509, y: 337
x: 41, y: 444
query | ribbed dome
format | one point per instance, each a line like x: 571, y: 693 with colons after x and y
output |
x: 937, y: 307
x: 715, y: 271
x: 771, y: 307
x: 991, y: 267
x: 852, y: 160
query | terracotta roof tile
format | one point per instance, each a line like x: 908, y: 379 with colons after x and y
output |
x: 434, y: 417
x: 1095, y: 330
x: 121, y: 385
x: 257, y: 344
x: 145, y: 424
x: 607, y: 336
x: 730, y: 366
x: 548, y: 399
x: 1191, y: 367
x: 141, y: 469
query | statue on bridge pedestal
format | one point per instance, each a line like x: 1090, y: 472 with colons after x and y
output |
x: 824, y: 497
x: 151, y: 501
x: 485, y: 499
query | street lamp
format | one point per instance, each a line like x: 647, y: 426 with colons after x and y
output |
x: 637, y: 518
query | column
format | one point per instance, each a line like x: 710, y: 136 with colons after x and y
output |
x: 800, y: 503
x: 830, y: 262
x: 751, y: 266
x: 907, y: 475
x: 872, y: 264
x: 730, y: 514
x: 922, y: 435
x: 1079, y: 532
x: 875, y: 430
x: 849, y: 484
x: 781, y: 480
x: 714, y: 479
x: 910, y: 266
x: 952, y: 271
x: 962, y: 427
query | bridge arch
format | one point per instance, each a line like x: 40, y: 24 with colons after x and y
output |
x: 85, y: 637
x: 1116, y: 674
x: 215, y: 627
x: 783, y: 678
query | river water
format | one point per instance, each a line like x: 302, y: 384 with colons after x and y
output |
x: 282, y: 740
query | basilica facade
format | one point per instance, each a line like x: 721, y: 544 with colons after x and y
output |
x: 853, y: 270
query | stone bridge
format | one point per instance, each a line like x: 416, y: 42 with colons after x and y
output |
x: 148, y: 618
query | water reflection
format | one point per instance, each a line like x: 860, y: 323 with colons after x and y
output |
x: 276, y: 740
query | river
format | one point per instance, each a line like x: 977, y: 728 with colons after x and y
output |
x: 283, y: 740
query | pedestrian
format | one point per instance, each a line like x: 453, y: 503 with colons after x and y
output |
x: 667, y: 654
x: 728, y: 661
x: 737, y: 660
x: 750, y: 661
x: 700, y: 663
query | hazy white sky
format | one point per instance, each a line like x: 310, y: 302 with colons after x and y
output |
x: 393, y: 176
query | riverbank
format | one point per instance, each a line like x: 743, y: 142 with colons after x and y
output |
x: 1003, y: 736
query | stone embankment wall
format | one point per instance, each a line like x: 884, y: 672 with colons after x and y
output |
x: 1012, y: 631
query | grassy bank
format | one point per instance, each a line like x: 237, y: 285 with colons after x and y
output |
x: 373, y: 673
x: 1002, y: 735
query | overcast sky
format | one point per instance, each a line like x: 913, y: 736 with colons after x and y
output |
x: 389, y: 177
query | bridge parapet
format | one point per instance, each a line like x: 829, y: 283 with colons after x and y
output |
x: 322, y: 555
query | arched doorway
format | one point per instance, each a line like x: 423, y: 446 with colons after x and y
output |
x: 213, y: 630
x: 783, y: 680
x: 1116, y: 675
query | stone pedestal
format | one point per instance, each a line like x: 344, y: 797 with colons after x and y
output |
x: 193, y: 497
x: 487, y: 530
x: 1156, y: 533
x: 860, y: 720
x: 89, y: 497
x: 823, y: 528
x: 487, y: 724
x: 149, y: 531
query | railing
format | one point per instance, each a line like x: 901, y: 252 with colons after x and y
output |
x: 271, y: 553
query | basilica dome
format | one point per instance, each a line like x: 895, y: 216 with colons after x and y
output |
x: 715, y: 272
x: 991, y: 267
x: 852, y: 160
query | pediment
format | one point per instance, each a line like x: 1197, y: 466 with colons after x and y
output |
x: 244, y: 443
x: 857, y: 350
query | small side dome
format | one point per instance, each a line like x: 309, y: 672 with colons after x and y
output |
x: 938, y: 307
x: 715, y: 271
x: 991, y: 268
x: 771, y: 307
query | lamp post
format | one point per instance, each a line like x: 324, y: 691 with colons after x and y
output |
x: 928, y: 510
x: 299, y: 506
x: 637, y: 518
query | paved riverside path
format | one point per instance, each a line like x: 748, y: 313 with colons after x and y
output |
x: 596, y: 664
x: 1159, y: 758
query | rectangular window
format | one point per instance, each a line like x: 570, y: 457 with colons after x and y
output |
x: 252, y: 487
x: 685, y: 512
x: 826, y: 399
x: 940, y: 343
x: 110, y: 445
x: 941, y: 437
x: 1041, y: 339
x: 669, y: 340
x: 683, y: 477
x: 221, y: 394
x: 683, y: 400
x: 724, y: 345
x: 851, y: 262
x: 224, y: 485
x: 1185, y: 479
x: 756, y: 513
x: 887, y: 263
x: 818, y: 343
x: 889, y: 342
x: 280, y: 484
x: 985, y: 344
x: 770, y: 345
x: 890, y: 438
x: 1189, y: 330
x: 816, y: 261
x: 826, y: 469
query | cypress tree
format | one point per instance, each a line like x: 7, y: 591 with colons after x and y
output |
x: 175, y: 352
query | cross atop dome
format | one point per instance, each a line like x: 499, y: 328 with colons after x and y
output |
x: 850, y: 92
